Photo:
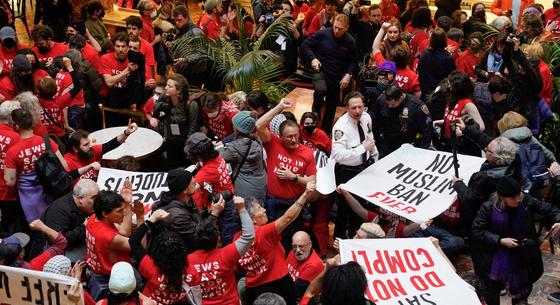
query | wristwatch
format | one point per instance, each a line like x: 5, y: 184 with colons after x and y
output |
x: 295, y: 177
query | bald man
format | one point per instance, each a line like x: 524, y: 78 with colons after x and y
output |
x: 303, y: 262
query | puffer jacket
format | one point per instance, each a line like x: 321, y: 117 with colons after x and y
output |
x: 524, y: 135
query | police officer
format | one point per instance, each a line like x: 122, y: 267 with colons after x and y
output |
x: 400, y: 118
x: 353, y: 149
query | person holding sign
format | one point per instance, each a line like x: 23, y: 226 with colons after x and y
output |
x: 82, y: 156
x: 505, y: 244
x: 353, y: 149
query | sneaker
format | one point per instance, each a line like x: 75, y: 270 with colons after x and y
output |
x: 554, y: 297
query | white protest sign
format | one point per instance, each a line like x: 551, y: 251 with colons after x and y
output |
x: 412, y: 182
x: 326, y: 182
x: 146, y: 187
x: 20, y: 286
x: 406, y: 271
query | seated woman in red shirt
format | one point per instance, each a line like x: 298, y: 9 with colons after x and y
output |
x: 164, y: 265
x: 53, y: 104
x: 265, y: 262
x: 312, y: 136
x: 107, y: 232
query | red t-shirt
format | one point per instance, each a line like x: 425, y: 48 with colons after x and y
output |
x: 318, y: 140
x: 221, y: 125
x: 22, y: 155
x: 264, y: 262
x: 148, y: 32
x: 297, y: 10
x: 546, y: 76
x: 307, y: 270
x: 309, y: 15
x: 40, y: 129
x: 58, y: 49
x: 7, y: 57
x: 54, y: 121
x: 551, y: 15
x: 8, y: 138
x: 156, y: 288
x: 91, y: 55
x: 216, y: 269
x: 299, y: 161
x: 213, y: 177
x: 63, y: 81
x: 210, y: 26
x: 98, y: 256
x: 148, y: 51
x: 108, y: 64
x: 419, y: 36
x: 74, y: 162
x: 467, y: 61
x: 400, y: 226
x: 390, y: 12
x: 7, y: 88
x: 148, y: 108
x: 450, y: 115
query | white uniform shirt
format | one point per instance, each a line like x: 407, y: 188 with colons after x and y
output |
x: 347, y: 149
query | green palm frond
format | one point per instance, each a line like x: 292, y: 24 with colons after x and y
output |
x: 280, y: 27
x: 488, y: 31
x: 555, y: 53
x: 255, y: 66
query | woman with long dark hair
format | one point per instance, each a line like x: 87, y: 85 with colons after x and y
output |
x: 164, y: 265
x: 179, y: 117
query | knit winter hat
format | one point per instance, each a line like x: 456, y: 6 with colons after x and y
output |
x: 373, y: 230
x: 388, y: 66
x: 244, y: 122
x: 178, y: 180
x: 21, y: 63
x: 122, y: 280
x: 508, y: 187
x: 58, y: 264
x: 209, y: 5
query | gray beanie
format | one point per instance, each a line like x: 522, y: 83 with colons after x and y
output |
x: 244, y: 122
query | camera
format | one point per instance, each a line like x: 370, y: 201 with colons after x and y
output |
x: 167, y: 37
x: 215, y: 197
x: 268, y: 18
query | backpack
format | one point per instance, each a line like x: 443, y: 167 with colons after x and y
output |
x: 51, y: 174
x: 533, y: 165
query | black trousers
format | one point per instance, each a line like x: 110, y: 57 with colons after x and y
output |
x: 284, y: 287
x: 346, y: 219
x: 329, y: 102
x: 490, y: 290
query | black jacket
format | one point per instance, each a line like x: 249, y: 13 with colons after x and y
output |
x: 64, y: 216
x: 485, y: 242
x: 183, y: 218
x: 433, y: 67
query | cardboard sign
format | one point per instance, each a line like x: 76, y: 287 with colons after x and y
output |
x: 406, y: 271
x: 20, y: 286
x: 146, y: 187
x: 412, y: 182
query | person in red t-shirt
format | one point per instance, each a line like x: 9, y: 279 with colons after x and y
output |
x: 471, y: 57
x: 217, y: 113
x: 300, y: 7
x: 324, y: 19
x: 552, y: 16
x: 8, y: 195
x: 164, y: 265
x: 8, y: 49
x: 80, y: 153
x: 290, y: 165
x: 53, y: 104
x: 134, y: 28
x: 214, y: 180
x: 20, y: 79
x: 148, y: 12
x: 45, y: 48
x: 316, y: 7
x: 107, y: 232
x: 304, y: 264
x: 20, y: 166
x: 89, y: 47
x: 389, y: 10
x: 312, y: 136
x: 218, y: 265
x: 265, y: 261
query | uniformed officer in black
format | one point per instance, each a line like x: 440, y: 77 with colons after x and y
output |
x: 400, y: 118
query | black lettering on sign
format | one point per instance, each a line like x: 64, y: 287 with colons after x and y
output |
x: 5, y: 284
x: 53, y: 294
x: 39, y: 287
x: 25, y: 284
x: 441, y: 164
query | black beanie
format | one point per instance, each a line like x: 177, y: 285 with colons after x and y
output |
x: 508, y: 187
x: 178, y: 180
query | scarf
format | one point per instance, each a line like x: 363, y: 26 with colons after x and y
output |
x: 392, y: 226
x: 495, y: 62
x: 389, y: 46
x: 511, y: 265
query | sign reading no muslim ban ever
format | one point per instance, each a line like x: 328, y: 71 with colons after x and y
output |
x: 407, y: 271
x: 20, y: 286
x: 146, y: 187
x: 412, y: 182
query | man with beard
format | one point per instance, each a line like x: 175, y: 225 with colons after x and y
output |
x: 45, y: 48
x: 304, y: 264
x: 83, y: 156
x: 20, y: 79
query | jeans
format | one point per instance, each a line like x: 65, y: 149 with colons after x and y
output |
x: 449, y: 243
x: 228, y: 225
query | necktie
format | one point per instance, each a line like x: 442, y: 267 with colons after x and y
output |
x: 362, y: 139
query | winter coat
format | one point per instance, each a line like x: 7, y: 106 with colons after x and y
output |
x: 523, y: 135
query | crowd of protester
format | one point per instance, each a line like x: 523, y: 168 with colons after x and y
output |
x: 247, y: 225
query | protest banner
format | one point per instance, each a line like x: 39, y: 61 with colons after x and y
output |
x: 407, y: 271
x: 20, y: 286
x: 411, y: 182
x: 326, y: 182
x: 146, y: 187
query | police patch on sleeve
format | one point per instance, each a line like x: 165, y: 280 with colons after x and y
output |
x: 338, y: 134
x: 369, y: 128
x: 425, y: 109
